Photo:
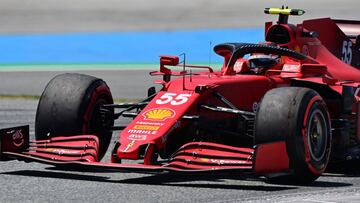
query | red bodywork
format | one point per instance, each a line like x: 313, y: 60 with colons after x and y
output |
x: 321, y: 54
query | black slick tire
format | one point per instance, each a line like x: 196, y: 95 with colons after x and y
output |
x: 70, y: 105
x: 298, y: 116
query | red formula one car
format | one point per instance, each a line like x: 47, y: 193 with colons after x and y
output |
x: 284, y: 107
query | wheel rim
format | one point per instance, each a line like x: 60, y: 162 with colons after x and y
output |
x: 317, y: 135
x: 95, y: 124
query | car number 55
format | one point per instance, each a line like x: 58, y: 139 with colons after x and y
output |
x: 173, y: 99
x: 347, y: 52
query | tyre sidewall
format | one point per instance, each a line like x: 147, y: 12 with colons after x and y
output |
x: 97, y: 94
x: 306, y: 103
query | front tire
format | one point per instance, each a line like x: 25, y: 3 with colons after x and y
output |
x: 70, y: 105
x: 299, y: 117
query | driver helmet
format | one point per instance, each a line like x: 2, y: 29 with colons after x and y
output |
x: 260, y: 62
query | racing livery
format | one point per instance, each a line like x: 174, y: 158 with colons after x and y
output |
x: 285, y: 107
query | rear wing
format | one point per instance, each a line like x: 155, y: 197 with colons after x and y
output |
x: 340, y: 37
x: 350, y: 28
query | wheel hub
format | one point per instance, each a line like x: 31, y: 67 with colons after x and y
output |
x: 317, y: 135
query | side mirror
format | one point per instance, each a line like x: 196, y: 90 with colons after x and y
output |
x: 169, y: 60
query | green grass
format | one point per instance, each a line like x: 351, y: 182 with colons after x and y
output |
x: 125, y: 100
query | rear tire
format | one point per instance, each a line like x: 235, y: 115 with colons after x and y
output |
x: 70, y: 105
x: 298, y: 116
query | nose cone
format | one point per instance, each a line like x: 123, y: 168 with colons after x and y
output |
x: 155, y: 123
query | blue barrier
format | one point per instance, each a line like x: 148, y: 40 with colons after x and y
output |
x: 118, y: 48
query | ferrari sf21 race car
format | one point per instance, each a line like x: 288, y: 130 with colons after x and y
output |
x: 285, y: 107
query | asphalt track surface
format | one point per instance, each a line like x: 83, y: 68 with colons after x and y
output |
x: 129, y: 84
x: 32, y: 182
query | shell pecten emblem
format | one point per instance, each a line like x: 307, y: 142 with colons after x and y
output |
x: 159, y: 114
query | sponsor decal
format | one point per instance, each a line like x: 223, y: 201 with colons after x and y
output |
x: 291, y: 68
x: 145, y: 127
x: 63, y: 151
x: 222, y: 161
x: 204, y: 159
x: 137, y: 137
x: 128, y: 146
x: 18, y: 137
x: 149, y: 123
x: 144, y: 132
x: 159, y: 114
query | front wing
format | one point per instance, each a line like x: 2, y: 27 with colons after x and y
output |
x: 81, y: 153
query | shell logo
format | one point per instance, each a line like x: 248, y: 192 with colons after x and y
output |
x: 159, y: 114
